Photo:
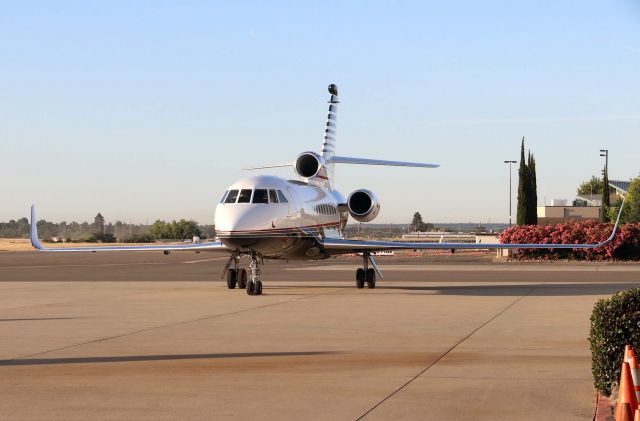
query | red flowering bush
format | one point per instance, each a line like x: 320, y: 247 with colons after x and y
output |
x: 625, y: 245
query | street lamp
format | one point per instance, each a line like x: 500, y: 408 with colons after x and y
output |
x: 605, y: 153
x: 510, y: 183
x: 606, y: 201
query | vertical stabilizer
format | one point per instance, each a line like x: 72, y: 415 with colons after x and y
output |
x: 329, y: 142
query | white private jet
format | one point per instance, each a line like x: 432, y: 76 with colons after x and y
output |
x: 268, y: 217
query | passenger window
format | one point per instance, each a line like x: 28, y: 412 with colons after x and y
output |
x: 260, y: 196
x: 245, y: 196
x: 231, y: 197
x: 282, y: 197
x: 223, y: 196
x: 273, y: 197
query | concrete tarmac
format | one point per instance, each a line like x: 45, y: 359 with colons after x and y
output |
x: 114, y: 336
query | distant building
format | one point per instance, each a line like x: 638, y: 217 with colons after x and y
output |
x: 589, y: 199
x: 622, y: 187
x: 549, y: 215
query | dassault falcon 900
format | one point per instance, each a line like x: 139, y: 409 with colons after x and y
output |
x: 268, y: 217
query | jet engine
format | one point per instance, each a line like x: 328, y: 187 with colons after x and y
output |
x: 308, y: 164
x: 363, y: 205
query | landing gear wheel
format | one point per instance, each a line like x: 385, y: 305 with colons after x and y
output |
x: 258, y: 288
x: 360, y: 278
x: 242, y: 278
x: 250, y: 288
x: 231, y: 279
x: 371, y: 278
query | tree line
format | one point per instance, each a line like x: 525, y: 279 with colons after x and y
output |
x: 108, y: 232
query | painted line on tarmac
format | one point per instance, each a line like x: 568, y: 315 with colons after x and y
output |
x: 84, y: 266
x: 189, y: 262
x: 448, y: 351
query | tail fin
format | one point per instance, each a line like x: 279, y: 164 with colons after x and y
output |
x: 329, y: 142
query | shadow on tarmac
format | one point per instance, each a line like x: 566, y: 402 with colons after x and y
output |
x: 37, y: 319
x: 539, y: 290
x: 133, y: 358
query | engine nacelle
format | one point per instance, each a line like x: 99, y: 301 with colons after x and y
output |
x: 308, y: 164
x: 363, y: 205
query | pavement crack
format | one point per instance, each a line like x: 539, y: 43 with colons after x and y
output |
x: 421, y: 372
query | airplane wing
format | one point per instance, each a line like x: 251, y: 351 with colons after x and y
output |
x: 208, y: 246
x: 342, y: 246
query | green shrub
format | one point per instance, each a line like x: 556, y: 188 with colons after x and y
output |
x: 615, y: 322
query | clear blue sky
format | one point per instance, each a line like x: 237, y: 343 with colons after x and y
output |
x: 145, y: 110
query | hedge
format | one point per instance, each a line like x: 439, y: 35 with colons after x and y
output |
x: 625, y: 245
x: 615, y: 322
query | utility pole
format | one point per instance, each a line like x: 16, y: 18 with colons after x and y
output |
x: 510, y: 184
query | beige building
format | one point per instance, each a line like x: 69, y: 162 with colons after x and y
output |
x: 548, y: 215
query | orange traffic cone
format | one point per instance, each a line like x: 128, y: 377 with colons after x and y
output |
x: 626, y: 394
x: 633, y: 366
x: 627, y: 353
x: 625, y: 413
x: 637, y: 416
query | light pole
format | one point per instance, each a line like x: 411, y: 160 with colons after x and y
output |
x: 510, y: 172
x: 606, y: 202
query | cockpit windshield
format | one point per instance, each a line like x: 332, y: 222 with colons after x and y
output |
x: 245, y: 196
x: 231, y: 197
x: 260, y: 196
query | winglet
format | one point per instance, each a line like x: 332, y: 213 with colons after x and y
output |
x: 34, y: 230
x: 615, y: 227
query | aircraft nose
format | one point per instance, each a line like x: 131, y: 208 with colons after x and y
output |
x: 232, y: 219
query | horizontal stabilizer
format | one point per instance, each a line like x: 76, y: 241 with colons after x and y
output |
x: 268, y: 166
x: 365, y: 161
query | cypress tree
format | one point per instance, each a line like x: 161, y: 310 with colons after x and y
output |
x: 527, y: 190
x: 606, y: 201
x: 522, y: 189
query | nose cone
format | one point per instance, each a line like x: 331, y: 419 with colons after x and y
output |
x: 241, y: 226
x: 242, y: 218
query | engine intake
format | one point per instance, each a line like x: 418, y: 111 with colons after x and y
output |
x: 363, y: 205
x: 308, y: 164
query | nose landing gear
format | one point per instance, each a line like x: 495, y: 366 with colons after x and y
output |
x: 238, y: 277
x: 254, y: 285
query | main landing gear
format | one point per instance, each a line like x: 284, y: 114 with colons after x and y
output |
x: 236, y: 275
x: 366, y: 274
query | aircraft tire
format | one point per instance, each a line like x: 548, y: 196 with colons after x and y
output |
x: 242, y: 278
x: 250, y: 288
x: 360, y: 278
x: 371, y: 278
x: 258, y: 288
x: 231, y: 279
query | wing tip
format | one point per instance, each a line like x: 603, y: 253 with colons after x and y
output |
x: 33, y: 230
